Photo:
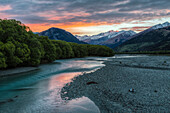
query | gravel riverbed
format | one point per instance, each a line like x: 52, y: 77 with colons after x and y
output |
x: 133, y: 84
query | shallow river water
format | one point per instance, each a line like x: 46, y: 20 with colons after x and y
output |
x: 39, y: 91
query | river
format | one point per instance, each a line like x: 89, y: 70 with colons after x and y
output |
x: 39, y: 91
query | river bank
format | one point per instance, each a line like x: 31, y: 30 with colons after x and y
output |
x: 126, y: 84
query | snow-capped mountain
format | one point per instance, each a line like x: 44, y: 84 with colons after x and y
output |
x: 154, y: 40
x: 160, y: 25
x: 103, y: 37
x: 118, y: 40
x: 109, y: 34
x: 95, y: 39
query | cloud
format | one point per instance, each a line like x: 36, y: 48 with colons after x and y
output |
x: 84, y: 11
x: 34, y: 19
x: 3, y: 8
x: 137, y: 28
x: 144, y: 5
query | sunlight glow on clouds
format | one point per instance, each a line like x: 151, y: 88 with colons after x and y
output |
x: 6, y: 7
x: 87, y: 16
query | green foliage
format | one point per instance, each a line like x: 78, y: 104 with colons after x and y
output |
x: 98, y: 50
x: 49, y: 48
x: 22, y: 51
x: 35, y: 57
x: 79, y: 50
x: 8, y: 49
x: 2, y: 61
x: 58, y: 53
x: 37, y: 52
x: 19, y: 46
x: 66, y: 49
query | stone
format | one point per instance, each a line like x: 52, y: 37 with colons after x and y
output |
x: 92, y: 82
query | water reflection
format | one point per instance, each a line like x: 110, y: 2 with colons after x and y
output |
x: 61, y: 79
x: 80, y: 105
x: 40, y: 91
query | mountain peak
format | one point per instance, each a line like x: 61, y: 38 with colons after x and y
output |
x: 165, y: 24
x: 153, y: 40
x: 108, y: 34
x: 54, y: 33
x: 111, y: 31
x: 55, y: 28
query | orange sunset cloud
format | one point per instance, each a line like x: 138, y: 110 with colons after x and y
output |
x: 85, y: 17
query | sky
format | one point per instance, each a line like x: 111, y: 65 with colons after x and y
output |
x: 87, y: 17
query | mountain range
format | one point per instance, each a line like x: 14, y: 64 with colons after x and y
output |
x: 154, y: 40
x: 110, y: 38
x: 60, y: 34
x: 118, y: 40
x: 113, y: 39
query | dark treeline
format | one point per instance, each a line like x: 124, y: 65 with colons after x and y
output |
x: 161, y: 52
x: 19, y: 46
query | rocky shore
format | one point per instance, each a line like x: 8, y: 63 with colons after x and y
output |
x: 134, y: 84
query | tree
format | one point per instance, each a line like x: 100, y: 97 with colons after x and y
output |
x: 37, y: 52
x: 2, y: 61
x: 22, y: 51
x: 49, y: 48
x: 58, y: 52
x: 98, y: 50
x: 67, y: 51
x: 79, y: 50
x: 8, y: 49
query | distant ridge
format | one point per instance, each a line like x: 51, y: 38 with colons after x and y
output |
x: 157, y: 39
x: 111, y: 38
x: 60, y: 34
x: 165, y: 24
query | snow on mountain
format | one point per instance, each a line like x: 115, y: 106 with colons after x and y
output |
x: 118, y: 40
x: 166, y: 24
x: 108, y: 34
x: 160, y: 25
x: 104, y: 37
x: 111, y: 34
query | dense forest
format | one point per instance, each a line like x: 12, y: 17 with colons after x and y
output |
x: 19, y: 46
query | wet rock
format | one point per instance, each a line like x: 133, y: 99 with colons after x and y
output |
x: 3, y: 102
x: 15, y: 96
x: 155, y: 91
x: 132, y: 90
x: 92, y: 82
x: 10, y: 100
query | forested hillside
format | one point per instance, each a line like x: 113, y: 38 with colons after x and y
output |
x: 19, y: 46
